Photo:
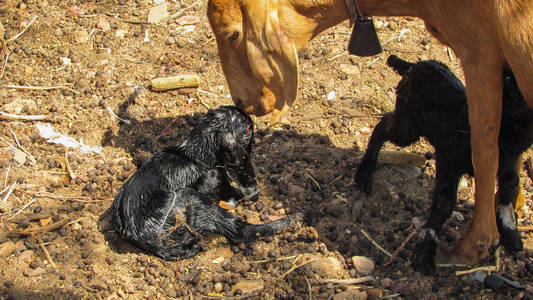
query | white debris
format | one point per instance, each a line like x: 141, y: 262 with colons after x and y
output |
x: 188, y: 28
x: 66, y: 61
x: 48, y: 132
x: 331, y: 95
x: 146, y: 36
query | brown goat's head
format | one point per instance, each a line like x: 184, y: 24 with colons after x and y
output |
x: 258, y: 59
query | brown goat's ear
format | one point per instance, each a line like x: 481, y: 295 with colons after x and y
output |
x: 271, y: 53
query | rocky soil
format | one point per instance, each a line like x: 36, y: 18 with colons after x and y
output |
x: 97, y: 58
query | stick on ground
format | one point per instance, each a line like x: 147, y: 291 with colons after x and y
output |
x: 43, y: 229
x: 375, y: 244
x: 7, y: 116
x: 347, y: 281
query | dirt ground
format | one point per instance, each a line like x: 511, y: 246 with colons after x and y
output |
x: 100, y: 57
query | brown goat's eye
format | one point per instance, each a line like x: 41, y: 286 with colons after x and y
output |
x: 234, y: 36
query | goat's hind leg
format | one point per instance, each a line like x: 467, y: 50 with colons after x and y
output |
x: 443, y: 203
x: 508, y: 191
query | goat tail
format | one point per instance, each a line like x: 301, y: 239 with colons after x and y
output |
x: 399, y: 65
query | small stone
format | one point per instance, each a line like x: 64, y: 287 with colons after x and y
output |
x: 295, y: 190
x: 364, y: 265
x: 158, y: 13
x: 37, y: 272
x: 219, y: 287
x: 98, y: 284
x: 103, y: 24
x: 26, y: 256
x: 349, y: 69
x: 188, y: 20
x: 248, y: 286
x: 6, y: 249
x: 75, y: 11
x: 24, y: 223
x: 327, y: 267
x: 387, y: 283
x: 81, y: 36
x: 350, y: 294
x: 120, y: 33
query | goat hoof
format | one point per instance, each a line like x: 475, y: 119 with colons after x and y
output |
x: 511, y: 240
x: 424, y: 259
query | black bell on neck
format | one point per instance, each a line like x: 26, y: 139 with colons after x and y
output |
x: 364, y: 40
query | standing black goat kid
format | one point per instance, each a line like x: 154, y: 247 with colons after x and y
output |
x: 431, y: 102
x: 169, y: 203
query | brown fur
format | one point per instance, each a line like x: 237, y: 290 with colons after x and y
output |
x: 262, y: 72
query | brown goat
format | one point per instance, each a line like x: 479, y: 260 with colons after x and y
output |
x: 258, y: 43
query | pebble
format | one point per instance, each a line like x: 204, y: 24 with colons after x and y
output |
x: 37, y: 272
x: 364, y: 265
x: 219, y: 287
x: 103, y: 24
x: 294, y: 190
x: 387, y: 283
x: 158, y: 13
x: 278, y: 205
x: 327, y: 267
x: 24, y: 223
x: 351, y: 294
x: 81, y: 36
x: 120, y: 33
x: 248, y: 286
x: 188, y: 20
x: 6, y: 249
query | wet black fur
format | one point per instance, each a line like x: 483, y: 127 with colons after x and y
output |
x: 431, y: 102
x: 181, y: 184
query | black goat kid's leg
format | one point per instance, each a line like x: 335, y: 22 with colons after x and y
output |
x: 365, y: 171
x: 395, y: 127
x: 508, y: 189
x: 204, y: 216
x: 443, y: 203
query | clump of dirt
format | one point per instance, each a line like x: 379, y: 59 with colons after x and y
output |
x: 99, y: 56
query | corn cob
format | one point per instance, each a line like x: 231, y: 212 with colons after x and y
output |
x: 174, y: 82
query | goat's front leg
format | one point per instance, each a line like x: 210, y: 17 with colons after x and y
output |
x: 443, y: 203
x: 367, y: 167
x: 484, y: 92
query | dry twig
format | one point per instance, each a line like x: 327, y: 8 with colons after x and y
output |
x: 8, y: 116
x: 397, y: 251
x: 375, y: 244
x: 20, y: 33
x: 83, y: 199
x: 180, y: 12
x: 40, y: 88
x: 43, y: 229
x: 308, y: 288
x: 296, y: 267
x: 11, y: 188
x: 46, y: 253
x: 70, y: 172
x: 489, y: 269
x: 5, y: 64
x: 21, y: 209
x: 525, y: 228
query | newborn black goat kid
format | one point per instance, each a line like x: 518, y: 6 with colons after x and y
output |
x: 169, y: 203
x: 431, y: 102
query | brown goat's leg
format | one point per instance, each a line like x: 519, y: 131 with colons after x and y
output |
x: 484, y: 92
